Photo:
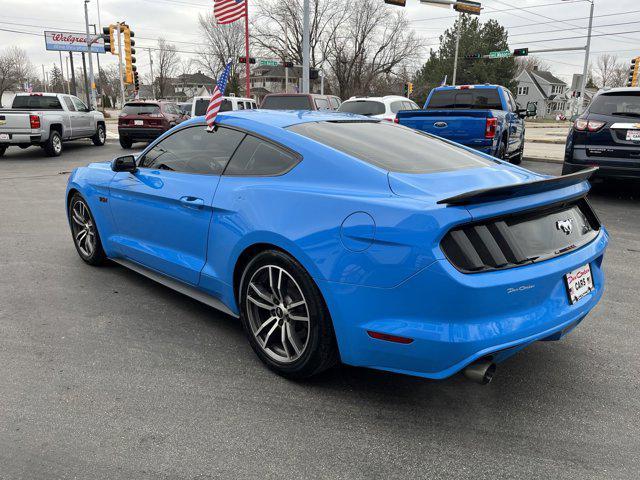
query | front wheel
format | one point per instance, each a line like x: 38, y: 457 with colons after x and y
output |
x: 53, y: 145
x: 502, y: 151
x: 85, y: 233
x: 100, y: 136
x: 285, y: 318
x: 517, y: 159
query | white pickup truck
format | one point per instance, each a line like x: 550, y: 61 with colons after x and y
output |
x: 47, y: 120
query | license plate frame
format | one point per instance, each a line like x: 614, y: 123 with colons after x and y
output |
x: 579, y: 283
x: 5, y: 136
x: 633, y: 135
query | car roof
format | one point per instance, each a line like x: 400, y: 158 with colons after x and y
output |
x: 378, y: 99
x: 618, y: 90
x: 459, y: 87
x: 281, y: 118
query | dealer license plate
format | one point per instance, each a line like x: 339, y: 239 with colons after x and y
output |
x: 141, y: 122
x: 4, y: 136
x: 579, y: 283
x: 633, y: 135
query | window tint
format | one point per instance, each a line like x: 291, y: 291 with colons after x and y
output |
x: 194, y: 150
x: 70, y: 106
x: 322, y: 104
x: 240, y: 105
x: 36, y: 102
x: 257, y: 157
x: 335, y: 103
x: 286, y: 102
x: 225, y: 106
x: 201, y: 107
x: 391, y: 147
x: 617, y: 103
x: 80, y: 106
x: 400, y: 105
x: 140, y: 109
x: 363, y: 107
x: 482, y: 98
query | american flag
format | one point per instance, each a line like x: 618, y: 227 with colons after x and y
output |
x: 216, y: 99
x: 228, y: 11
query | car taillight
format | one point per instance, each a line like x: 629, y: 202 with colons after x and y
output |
x: 592, y: 125
x: 396, y: 119
x: 35, y: 121
x: 492, y: 125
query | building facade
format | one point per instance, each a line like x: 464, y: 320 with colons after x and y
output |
x: 549, y: 93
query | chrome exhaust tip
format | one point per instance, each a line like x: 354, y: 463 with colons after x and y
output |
x: 481, y: 372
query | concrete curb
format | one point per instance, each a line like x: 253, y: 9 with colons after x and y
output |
x: 543, y: 160
x: 542, y: 140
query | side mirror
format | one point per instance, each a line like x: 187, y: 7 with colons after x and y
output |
x: 532, y: 109
x: 126, y: 163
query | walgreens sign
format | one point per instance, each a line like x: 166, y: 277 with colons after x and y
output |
x: 71, y: 42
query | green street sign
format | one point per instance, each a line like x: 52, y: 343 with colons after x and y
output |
x: 268, y: 63
x: 501, y: 54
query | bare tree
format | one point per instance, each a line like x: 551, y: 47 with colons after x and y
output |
x: 110, y: 84
x: 609, y: 72
x: 167, y: 65
x: 370, y: 42
x: 530, y: 63
x: 15, y: 69
x: 222, y: 42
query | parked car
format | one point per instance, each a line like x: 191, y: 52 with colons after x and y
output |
x: 142, y: 121
x: 199, y: 104
x: 299, y: 101
x: 384, y: 108
x: 483, y: 117
x: 185, y: 108
x: 337, y: 237
x: 47, y: 120
x: 607, y: 134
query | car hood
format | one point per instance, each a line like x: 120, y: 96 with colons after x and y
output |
x: 437, y: 186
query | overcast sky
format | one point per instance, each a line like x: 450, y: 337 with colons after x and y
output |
x: 177, y: 21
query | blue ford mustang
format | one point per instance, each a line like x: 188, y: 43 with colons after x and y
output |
x: 338, y: 238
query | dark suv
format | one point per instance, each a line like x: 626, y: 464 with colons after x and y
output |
x: 607, y: 135
x: 142, y: 121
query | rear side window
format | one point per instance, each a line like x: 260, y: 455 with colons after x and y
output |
x: 201, y: 106
x: 335, y: 103
x: 363, y: 107
x: 322, y: 104
x: 287, y: 102
x: 36, y: 102
x: 617, y: 104
x: 140, y: 109
x: 256, y: 157
x: 482, y: 98
x: 194, y: 150
x: 397, y: 106
x: 390, y: 147
x: 70, y: 106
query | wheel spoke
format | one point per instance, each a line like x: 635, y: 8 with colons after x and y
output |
x: 283, y: 339
x: 262, y: 295
x: 299, y: 319
x: 291, y: 339
x: 266, y: 338
x: 80, y: 235
x: 278, y: 288
x: 258, y: 303
x: 266, y: 323
x: 295, y: 304
x: 76, y: 218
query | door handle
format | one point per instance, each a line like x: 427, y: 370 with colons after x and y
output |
x: 193, y: 202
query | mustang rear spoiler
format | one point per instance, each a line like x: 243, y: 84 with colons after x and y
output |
x: 529, y: 188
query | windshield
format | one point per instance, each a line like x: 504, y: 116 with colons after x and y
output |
x: 140, y: 109
x: 287, y: 102
x: 391, y: 147
x: 617, y: 103
x: 363, y: 107
x: 203, y: 103
x: 484, y: 99
x: 36, y: 102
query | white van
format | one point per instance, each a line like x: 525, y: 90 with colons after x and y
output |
x: 200, y: 104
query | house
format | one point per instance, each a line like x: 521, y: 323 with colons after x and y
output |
x: 548, y: 92
x: 189, y: 85
x: 271, y: 79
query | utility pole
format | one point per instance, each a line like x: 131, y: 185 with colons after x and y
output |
x: 284, y: 60
x: 305, y: 48
x: 585, y: 69
x: 95, y: 34
x: 74, y: 89
x: 86, y: 81
x: 455, y: 60
x: 120, y: 63
x: 92, y: 82
x: 62, y: 71
x: 153, y: 90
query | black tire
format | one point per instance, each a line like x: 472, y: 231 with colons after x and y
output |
x: 320, y: 351
x: 100, y: 136
x: 502, y: 150
x: 53, y: 145
x: 125, y: 142
x: 517, y: 159
x: 81, y: 220
x: 2, y: 150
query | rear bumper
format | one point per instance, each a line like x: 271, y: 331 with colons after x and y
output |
x: 22, y: 139
x: 141, y: 133
x: 576, y: 159
x: 455, y: 318
x: 603, y: 170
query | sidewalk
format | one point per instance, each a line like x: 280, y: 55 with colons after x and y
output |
x: 544, y: 152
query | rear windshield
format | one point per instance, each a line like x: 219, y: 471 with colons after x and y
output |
x: 363, y: 107
x: 617, y: 103
x: 291, y: 102
x: 140, y: 109
x: 36, y: 102
x: 390, y: 147
x: 484, y: 99
x: 203, y: 103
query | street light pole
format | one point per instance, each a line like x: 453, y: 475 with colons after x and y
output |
x: 92, y: 80
x: 305, y: 48
x: 585, y: 69
x: 455, y: 60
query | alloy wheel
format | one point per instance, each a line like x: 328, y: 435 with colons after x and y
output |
x: 102, y: 134
x: 57, y: 144
x: 83, y: 228
x: 278, y: 313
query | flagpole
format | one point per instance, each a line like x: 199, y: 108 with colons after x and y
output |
x: 246, y: 34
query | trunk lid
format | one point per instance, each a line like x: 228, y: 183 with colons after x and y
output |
x: 15, y: 121
x: 461, y: 126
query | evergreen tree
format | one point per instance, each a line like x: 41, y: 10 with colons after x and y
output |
x: 56, y: 80
x: 475, y: 38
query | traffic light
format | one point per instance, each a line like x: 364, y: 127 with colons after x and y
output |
x: 408, y: 89
x: 521, y: 52
x: 634, y: 73
x: 136, y: 81
x: 397, y: 3
x: 244, y: 60
x: 314, y: 74
x: 287, y: 64
x: 466, y: 6
x: 129, y: 52
x: 107, y: 37
x: 474, y: 55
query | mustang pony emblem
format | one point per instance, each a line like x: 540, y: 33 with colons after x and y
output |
x: 565, y: 226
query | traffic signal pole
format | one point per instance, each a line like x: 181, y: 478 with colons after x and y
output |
x: 92, y: 81
x: 120, y: 63
x: 305, y: 48
x: 583, y: 87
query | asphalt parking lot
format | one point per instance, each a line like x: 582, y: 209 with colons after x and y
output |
x: 106, y: 375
